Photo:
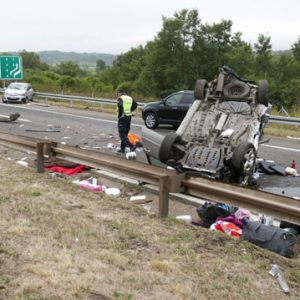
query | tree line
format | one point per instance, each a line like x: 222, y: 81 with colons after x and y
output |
x: 184, y: 50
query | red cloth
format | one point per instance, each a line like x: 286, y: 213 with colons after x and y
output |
x: 67, y: 171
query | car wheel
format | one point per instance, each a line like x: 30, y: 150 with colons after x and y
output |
x: 4, y: 101
x: 243, y: 159
x: 151, y: 120
x: 200, y: 89
x: 236, y: 89
x: 170, y: 149
x: 263, y: 92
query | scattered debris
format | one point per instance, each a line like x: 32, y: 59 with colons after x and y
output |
x: 63, y: 143
x: 67, y: 171
x: 90, y: 184
x: 10, y: 118
x: 110, y: 146
x: 141, y: 199
x: 185, y: 218
x: 115, y: 192
x: 22, y: 163
x: 275, y: 272
x: 42, y: 130
x: 267, y: 220
x: 290, y: 171
x: 130, y: 155
x: 227, y: 227
x: 293, y: 138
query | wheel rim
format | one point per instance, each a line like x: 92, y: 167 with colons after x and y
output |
x: 249, y: 160
x: 150, y: 120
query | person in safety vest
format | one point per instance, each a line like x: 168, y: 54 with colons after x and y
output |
x: 126, y: 105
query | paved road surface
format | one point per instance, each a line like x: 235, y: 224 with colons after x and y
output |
x: 94, y: 130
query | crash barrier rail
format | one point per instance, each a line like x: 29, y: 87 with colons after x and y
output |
x: 281, y: 207
x: 169, y: 181
x: 100, y: 101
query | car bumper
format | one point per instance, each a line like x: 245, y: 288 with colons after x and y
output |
x: 16, y: 99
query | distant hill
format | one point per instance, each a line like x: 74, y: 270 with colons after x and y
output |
x: 84, y: 60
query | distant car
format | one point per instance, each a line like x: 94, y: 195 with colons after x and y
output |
x: 170, y: 110
x: 219, y: 136
x: 18, y: 92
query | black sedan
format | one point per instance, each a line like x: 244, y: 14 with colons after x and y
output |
x: 170, y: 110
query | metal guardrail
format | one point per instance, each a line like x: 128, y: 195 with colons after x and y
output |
x: 272, y: 119
x: 279, y: 206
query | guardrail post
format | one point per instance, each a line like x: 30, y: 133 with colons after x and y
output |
x: 163, y: 205
x: 40, y: 157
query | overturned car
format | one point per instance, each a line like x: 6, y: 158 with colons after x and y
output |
x: 220, y: 134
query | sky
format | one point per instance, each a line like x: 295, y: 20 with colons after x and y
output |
x: 116, y: 26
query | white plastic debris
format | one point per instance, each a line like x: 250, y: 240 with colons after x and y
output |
x: 264, y: 219
x: 22, y: 163
x: 141, y: 199
x: 130, y: 155
x: 227, y: 133
x: 63, y: 143
x: 185, y: 218
x: 90, y: 184
x: 115, y: 192
x: 275, y: 272
x: 255, y: 175
x: 110, y: 146
x: 290, y: 171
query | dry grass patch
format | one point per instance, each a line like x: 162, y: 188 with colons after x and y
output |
x: 61, y: 242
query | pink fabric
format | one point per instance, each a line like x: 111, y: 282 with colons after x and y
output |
x: 67, y: 171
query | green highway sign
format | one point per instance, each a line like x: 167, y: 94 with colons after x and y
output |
x: 11, y: 67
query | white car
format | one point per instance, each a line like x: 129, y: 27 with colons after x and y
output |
x: 18, y: 92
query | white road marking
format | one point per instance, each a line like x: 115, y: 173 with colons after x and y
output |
x: 282, y: 148
x: 77, y: 116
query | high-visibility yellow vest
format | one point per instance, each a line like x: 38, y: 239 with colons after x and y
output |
x: 127, y: 103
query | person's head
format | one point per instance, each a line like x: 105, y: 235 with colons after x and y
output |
x: 121, y: 92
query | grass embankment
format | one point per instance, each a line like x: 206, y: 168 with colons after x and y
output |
x: 61, y: 242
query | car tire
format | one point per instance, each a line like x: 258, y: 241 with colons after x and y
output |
x: 200, y: 89
x: 243, y: 159
x: 151, y: 120
x: 4, y: 101
x: 236, y: 89
x: 263, y: 92
x: 167, y: 150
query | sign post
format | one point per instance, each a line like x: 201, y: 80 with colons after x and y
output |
x: 11, y: 67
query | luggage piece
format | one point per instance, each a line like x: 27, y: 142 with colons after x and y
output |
x: 209, y: 212
x: 269, y: 237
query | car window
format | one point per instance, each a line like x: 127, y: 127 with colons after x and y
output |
x: 174, y: 99
x: 187, y: 99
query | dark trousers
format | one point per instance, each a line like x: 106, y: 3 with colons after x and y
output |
x: 124, y: 128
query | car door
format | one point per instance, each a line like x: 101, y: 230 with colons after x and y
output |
x: 185, y: 103
x: 170, y: 112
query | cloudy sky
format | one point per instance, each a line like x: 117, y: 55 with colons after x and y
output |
x: 115, y: 26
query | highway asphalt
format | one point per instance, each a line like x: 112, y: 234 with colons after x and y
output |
x: 95, y: 130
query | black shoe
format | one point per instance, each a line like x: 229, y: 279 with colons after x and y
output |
x: 120, y: 151
x: 14, y: 117
x: 133, y: 148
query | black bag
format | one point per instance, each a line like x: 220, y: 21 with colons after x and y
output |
x: 209, y: 212
x: 269, y: 237
x: 295, y: 227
